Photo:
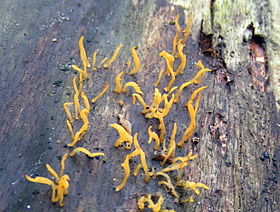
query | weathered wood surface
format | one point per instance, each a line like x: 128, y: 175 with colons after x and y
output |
x: 238, y: 146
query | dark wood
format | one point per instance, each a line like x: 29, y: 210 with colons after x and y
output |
x: 236, y: 136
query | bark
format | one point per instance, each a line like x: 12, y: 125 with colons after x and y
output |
x: 237, y: 133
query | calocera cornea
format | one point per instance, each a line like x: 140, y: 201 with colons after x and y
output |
x: 83, y: 54
x: 60, y: 184
x: 136, y: 60
x: 114, y: 56
x: 183, y: 57
x: 102, y: 62
x: 169, y: 63
x: 142, y: 158
x: 172, y: 145
x: 124, y: 136
x: 118, y: 84
x: 187, y: 30
x: 84, y: 74
x: 78, y: 136
x: 125, y: 164
x: 86, y: 102
x: 167, y: 183
x: 198, y: 78
x: 153, y: 136
x: 67, y: 111
x: 192, y: 112
x: 93, y: 63
x: 156, y: 207
x: 77, y: 107
x: 105, y: 88
x: 134, y: 85
x: 85, y: 151
x: 70, y: 128
x: 159, y: 77
x: 192, y: 185
x: 137, y: 169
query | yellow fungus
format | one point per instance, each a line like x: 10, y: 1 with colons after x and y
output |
x: 148, y: 198
x: 184, y: 85
x: 85, y: 151
x: 81, y: 71
x: 102, y: 62
x: 137, y: 169
x: 59, y: 186
x: 86, y: 102
x: 52, y: 172
x: 124, y: 136
x: 192, y: 112
x: 83, y: 54
x: 94, y: 60
x: 115, y: 54
x: 187, y: 30
x: 192, y: 185
x: 161, y: 127
x: 76, y: 99
x: 199, y: 77
x: 172, y: 90
x: 77, y: 106
x: 62, y: 164
x: 167, y: 183
x: 142, y: 200
x: 140, y: 99
x: 169, y: 61
x: 194, y: 94
x: 190, y: 156
x: 62, y: 189
x: 125, y: 166
x: 175, y: 43
x: 183, y: 58
x: 142, y: 158
x: 172, y: 145
x: 159, y: 77
x: 81, y: 82
x: 43, y: 180
x: 78, y: 136
x: 177, y: 25
x: 70, y: 128
x: 175, y: 166
x: 105, y: 88
x: 153, y: 136
x: 157, y: 99
x: 67, y: 111
x: 167, y: 105
x: 135, y: 60
x: 134, y: 85
x: 75, y: 85
x: 118, y: 85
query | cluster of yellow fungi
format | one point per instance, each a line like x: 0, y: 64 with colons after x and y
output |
x: 159, y: 108
x: 81, y: 110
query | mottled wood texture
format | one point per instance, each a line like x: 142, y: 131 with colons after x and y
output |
x: 237, y: 131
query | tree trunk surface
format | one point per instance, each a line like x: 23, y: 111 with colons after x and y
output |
x: 237, y: 132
